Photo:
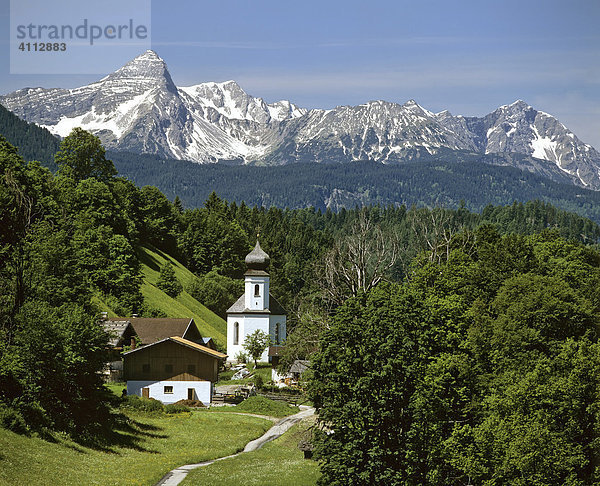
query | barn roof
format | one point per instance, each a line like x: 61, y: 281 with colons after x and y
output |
x: 116, y: 330
x: 239, y: 307
x: 183, y: 342
x: 151, y: 330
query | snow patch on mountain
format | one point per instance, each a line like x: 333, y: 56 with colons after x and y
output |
x: 117, y: 121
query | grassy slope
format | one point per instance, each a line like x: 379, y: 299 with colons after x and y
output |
x: 184, y: 305
x: 278, y: 463
x: 160, y: 444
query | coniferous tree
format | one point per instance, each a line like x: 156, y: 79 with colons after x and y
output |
x: 167, y: 281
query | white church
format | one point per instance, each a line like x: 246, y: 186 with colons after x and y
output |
x: 256, y: 308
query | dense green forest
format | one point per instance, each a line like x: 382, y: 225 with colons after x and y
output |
x: 483, y: 368
x: 34, y: 142
x: 445, y: 181
x: 448, y: 345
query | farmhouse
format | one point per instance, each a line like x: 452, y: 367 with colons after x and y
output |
x: 172, y: 369
x: 256, y: 308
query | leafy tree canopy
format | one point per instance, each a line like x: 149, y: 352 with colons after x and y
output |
x: 255, y: 344
x: 82, y: 155
x: 481, y: 369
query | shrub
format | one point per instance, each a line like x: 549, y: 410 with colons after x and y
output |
x: 12, y: 420
x: 241, y: 357
x: 190, y: 403
x: 142, y: 404
x: 176, y: 408
x: 258, y: 381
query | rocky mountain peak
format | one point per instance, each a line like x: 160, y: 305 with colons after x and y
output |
x: 147, y: 69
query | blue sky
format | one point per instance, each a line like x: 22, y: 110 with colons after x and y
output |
x: 466, y: 56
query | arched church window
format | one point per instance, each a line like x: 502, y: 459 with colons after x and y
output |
x: 257, y: 290
x: 236, y: 333
x: 277, y: 333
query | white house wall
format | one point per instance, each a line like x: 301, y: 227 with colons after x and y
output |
x: 202, y: 389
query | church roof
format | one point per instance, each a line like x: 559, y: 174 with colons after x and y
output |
x: 239, y: 307
x: 257, y: 259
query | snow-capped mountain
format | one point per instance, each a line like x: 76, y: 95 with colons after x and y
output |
x: 138, y: 108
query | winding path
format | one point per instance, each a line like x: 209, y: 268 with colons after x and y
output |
x: 174, y: 477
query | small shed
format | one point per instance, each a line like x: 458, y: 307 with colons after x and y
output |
x: 172, y: 369
x: 298, y: 368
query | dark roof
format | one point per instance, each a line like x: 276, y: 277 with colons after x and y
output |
x: 151, y: 330
x: 183, y: 342
x: 116, y: 330
x: 259, y: 273
x: 299, y: 366
x: 239, y: 307
x: 257, y: 259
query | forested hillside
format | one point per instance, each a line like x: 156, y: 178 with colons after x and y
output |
x: 445, y: 181
x: 33, y: 142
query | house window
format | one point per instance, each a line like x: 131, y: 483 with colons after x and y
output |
x: 236, y: 333
x: 169, y: 368
x: 257, y: 290
x: 191, y: 368
x: 168, y: 390
x: 277, y: 333
x: 145, y: 368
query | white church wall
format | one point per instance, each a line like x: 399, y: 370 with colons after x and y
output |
x: 251, y: 300
x: 234, y: 349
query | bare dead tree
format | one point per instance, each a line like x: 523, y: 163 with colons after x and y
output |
x: 437, y: 233
x: 357, y: 262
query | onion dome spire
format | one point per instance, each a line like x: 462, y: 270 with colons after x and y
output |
x: 257, y: 259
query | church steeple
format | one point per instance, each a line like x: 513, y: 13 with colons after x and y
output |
x: 257, y: 259
x: 257, y: 279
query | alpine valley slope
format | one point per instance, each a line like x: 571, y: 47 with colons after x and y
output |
x: 139, y: 109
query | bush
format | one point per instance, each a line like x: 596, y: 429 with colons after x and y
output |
x: 241, y: 357
x: 258, y: 381
x: 12, y: 420
x: 190, y: 403
x: 134, y: 402
x: 176, y: 408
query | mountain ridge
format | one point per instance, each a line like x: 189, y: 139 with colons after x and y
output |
x: 138, y: 108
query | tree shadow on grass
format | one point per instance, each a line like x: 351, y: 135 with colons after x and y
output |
x: 149, y: 260
x: 121, y: 432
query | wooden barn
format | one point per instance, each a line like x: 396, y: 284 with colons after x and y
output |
x: 172, y: 369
